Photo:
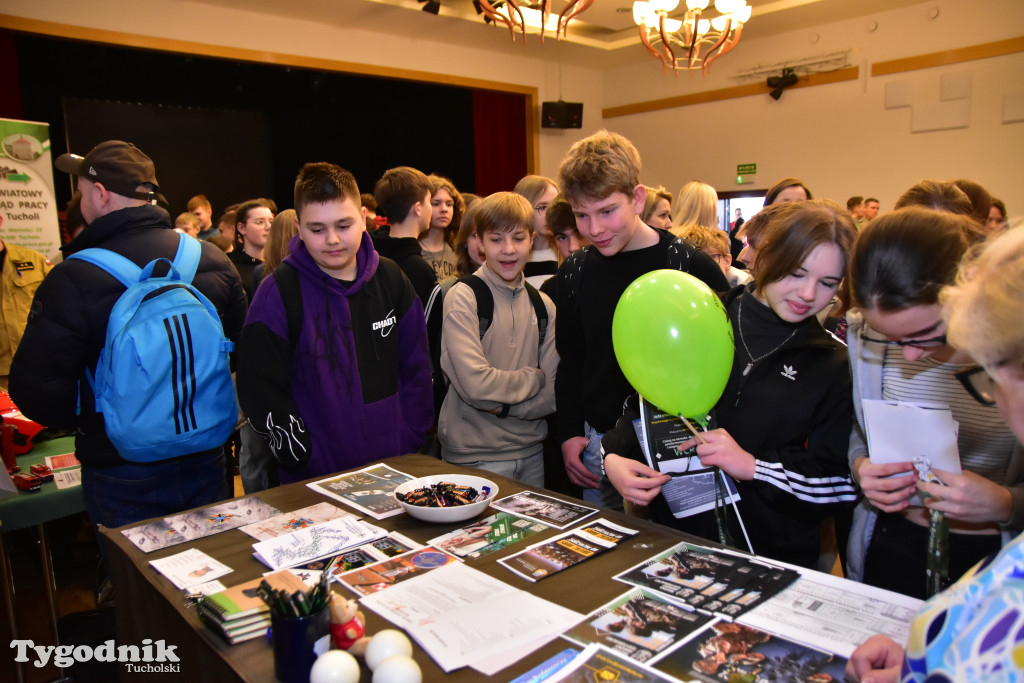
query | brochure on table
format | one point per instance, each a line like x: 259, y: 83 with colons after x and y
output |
x: 488, y: 535
x: 639, y: 624
x: 288, y: 522
x: 315, y: 542
x: 565, y: 550
x: 369, y: 490
x: 554, y: 512
x: 712, y: 581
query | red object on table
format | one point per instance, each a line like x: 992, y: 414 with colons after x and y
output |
x: 25, y: 429
x: 7, y: 434
x: 43, y: 472
x: 28, y: 482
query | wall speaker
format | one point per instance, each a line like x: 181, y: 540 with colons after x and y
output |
x: 561, y: 114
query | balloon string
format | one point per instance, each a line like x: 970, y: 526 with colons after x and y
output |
x: 721, y: 509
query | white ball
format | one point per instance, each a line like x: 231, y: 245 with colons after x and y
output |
x: 335, y: 666
x: 386, y: 644
x: 398, y: 669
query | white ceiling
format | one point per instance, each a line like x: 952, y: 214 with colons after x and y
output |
x: 601, y: 37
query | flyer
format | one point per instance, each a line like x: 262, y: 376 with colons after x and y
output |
x: 369, y: 490
x: 545, y: 509
x: 487, y: 535
x: 290, y: 521
x: 378, y: 576
x: 727, y: 651
x: 716, y: 582
x: 597, y: 663
x: 638, y: 624
x: 318, y: 541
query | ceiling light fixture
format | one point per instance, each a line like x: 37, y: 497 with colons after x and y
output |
x: 519, y: 16
x: 666, y: 38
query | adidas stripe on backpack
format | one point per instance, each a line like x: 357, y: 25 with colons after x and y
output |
x: 163, y: 380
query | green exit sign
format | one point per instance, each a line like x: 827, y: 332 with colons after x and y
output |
x: 746, y: 169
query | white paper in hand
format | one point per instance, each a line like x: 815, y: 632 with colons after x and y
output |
x: 900, y: 432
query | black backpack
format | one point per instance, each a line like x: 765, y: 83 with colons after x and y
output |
x: 676, y: 258
x: 485, y: 310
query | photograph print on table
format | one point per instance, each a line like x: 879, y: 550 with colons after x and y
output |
x: 545, y: 509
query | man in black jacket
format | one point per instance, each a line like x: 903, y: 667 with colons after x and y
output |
x: 67, y: 327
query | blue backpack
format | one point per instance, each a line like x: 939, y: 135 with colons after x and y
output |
x: 163, y: 380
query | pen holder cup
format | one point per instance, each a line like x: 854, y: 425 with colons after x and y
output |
x: 293, y: 641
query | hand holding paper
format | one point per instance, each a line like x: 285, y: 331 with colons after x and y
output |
x: 886, y: 485
x: 633, y: 479
x: 899, y: 432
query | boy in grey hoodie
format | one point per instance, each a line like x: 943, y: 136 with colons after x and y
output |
x: 503, y: 383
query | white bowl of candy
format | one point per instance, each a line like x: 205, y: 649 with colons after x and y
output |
x: 444, y: 498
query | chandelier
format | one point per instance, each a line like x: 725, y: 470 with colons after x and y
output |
x: 691, y: 43
x: 518, y: 15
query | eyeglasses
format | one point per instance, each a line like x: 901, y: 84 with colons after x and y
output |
x: 978, y: 384
x: 718, y: 257
x: 930, y: 343
x: 260, y: 221
x: 541, y: 208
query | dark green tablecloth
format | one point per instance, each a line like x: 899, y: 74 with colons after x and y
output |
x: 28, y: 509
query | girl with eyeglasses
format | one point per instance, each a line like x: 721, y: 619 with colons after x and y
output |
x: 252, y: 228
x: 544, y: 260
x: 972, y: 631
x: 899, y: 352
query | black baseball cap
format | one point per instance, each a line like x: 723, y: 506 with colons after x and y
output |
x: 119, y: 166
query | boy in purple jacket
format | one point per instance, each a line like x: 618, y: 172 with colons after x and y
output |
x: 333, y: 368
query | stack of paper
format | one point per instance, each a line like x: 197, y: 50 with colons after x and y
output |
x: 315, y: 542
x: 463, y: 617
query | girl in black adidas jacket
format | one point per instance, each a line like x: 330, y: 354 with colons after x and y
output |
x: 784, y: 419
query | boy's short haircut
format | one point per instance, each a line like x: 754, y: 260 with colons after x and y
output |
x: 398, y: 190
x: 367, y: 200
x: 189, y: 218
x: 319, y: 182
x: 560, y: 217
x: 704, y: 237
x: 199, y: 201
x: 503, y: 212
x: 598, y: 166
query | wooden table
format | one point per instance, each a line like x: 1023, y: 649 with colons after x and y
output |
x: 149, y: 606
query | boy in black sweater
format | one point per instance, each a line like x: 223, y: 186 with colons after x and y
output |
x: 600, y: 178
x: 403, y: 195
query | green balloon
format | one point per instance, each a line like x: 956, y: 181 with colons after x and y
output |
x: 674, y: 342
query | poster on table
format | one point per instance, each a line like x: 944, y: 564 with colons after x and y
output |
x: 28, y: 204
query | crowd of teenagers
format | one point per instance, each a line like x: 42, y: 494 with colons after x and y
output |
x: 479, y: 329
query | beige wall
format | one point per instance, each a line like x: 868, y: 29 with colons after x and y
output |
x: 839, y: 138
